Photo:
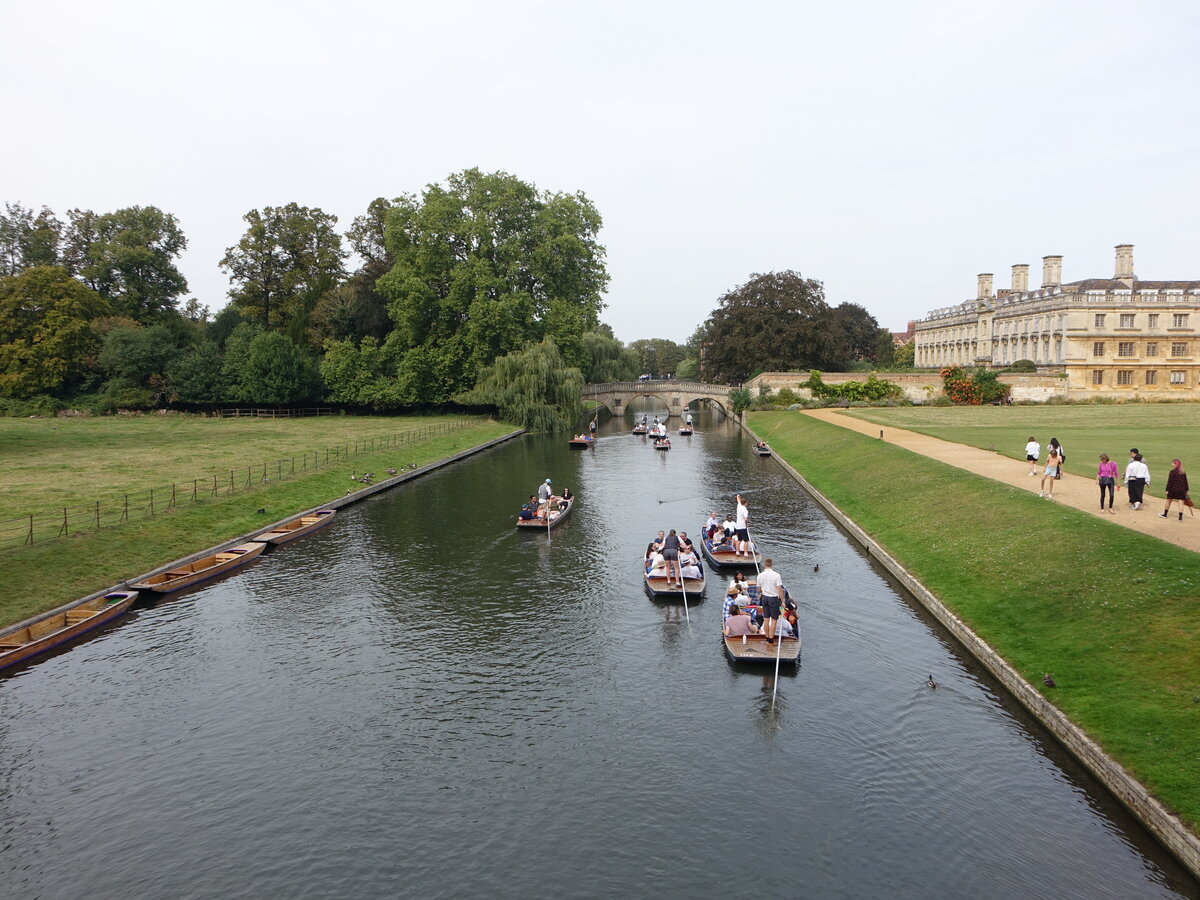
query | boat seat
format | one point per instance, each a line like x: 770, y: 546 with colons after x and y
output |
x: 78, y: 615
x: 178, y: 574
x: 225, y: 557
x: 11, y: 645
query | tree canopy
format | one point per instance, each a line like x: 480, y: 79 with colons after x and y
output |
x: 533, y: 388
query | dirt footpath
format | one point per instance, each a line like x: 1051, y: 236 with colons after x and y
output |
x: 1071, y: 490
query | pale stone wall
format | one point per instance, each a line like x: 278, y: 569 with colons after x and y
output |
x: 918, y: 387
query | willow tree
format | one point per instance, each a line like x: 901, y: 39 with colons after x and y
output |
x: 533, y: 388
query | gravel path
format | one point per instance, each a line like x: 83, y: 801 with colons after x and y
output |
x: 1071, y: 490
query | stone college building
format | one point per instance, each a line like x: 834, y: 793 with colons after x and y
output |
x: 1119, y: 336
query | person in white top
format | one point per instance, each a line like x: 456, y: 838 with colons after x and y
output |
x: 1032, y: 451
x: 770, y: 598
x: 1137, y: 476
x: 741, y: 532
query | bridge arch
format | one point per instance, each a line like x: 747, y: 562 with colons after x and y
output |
x: 615, y: 396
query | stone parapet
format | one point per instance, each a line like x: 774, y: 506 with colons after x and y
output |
x: 918, y: 387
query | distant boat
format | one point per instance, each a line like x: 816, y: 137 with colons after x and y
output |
x: 685, y: 429
x: 297, y: 527
x: 581, y: 443
x: 640, y: 429
x: 662, y: 443
x: 762, y: 450
x: 19, y: 643
x: 202, y: 569
x: 556, y: 516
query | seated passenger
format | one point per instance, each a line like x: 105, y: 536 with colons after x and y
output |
x: 738, y: 624
x: 565, y: 499
x: 526, y: 512
x: 657, y: 566
x: 739, y: 581
x: 689, y: 571
x: 733, y: 598
x: 786, y: 627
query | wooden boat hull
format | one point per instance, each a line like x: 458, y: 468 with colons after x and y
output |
x: 658, y: 446
x: 657, y: 586
x: 23, y: 642
x: 755, y: 649
x: 685, y: 430
x: 189, y: 574
x: 763, y: 451
x: 556, y: 517
x: 725, y: 559
x: 640, y: 429
x: 580, y: 445
x: 297, y: 527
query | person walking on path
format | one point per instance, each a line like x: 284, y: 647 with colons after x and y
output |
x: 1177, y: 488
x: 1106, y: 477
x: 770, y: 594
x: 1032, y: 451
x: 1062, y: 455
x: 1053, y: 460
x: 1137, y: 476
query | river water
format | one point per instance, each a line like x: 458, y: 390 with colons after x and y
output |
x: 421, y: 701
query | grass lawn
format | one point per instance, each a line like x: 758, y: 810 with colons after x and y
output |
x: 1162, y: 431
x: 1114, y: 615
x: 44, y: 575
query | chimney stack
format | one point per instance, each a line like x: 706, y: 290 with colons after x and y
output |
x: 1020, y: 277
x: 985, y: 286
x: 1051, y: 271
x: 1125, y: 264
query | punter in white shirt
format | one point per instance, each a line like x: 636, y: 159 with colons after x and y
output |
x: 740, y: 530
x: 770, y: 598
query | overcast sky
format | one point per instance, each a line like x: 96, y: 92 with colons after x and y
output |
x: 890, y: 150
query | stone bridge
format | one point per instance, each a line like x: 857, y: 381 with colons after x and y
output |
x: 676, y: 395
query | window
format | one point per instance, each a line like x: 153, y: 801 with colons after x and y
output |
x: 1151, y: 377
x: 1178, y: 348
x: 1179, y: 320
x: 1153, y: 317
x: 1097, y: 376
x: 1125, y: 376
x: 1126, y: 320
x: 1098, y: 348
x: 1099, y: 320
x: 1125, y: 348
x: 1152, y: 348
x: 1178, y: 376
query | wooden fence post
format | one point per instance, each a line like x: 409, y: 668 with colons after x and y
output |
x: 97, y: 514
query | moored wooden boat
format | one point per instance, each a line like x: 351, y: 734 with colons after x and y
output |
x: 556, y: 516
x: 728, y: 558
x: 182, y: 576
x: 297, y: 527
x: 656, y: 584
x: 32, y: 638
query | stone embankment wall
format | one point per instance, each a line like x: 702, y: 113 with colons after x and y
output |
x: 918, y: 387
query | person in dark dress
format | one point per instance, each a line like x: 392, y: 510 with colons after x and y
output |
x: 1177, y: 488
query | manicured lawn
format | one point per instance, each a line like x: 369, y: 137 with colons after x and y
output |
x: 45, y: 575
x: 1114, y: 615
x: 1161, y: 432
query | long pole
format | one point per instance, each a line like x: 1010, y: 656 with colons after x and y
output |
x: 778, y: 651
x: 683, y: 585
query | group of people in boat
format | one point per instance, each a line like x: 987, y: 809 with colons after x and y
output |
x: 540, y: 504
x: 672, y: 554
x: 732, y: 532
x: 772, y: 614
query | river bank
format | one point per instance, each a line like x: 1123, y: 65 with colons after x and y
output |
x: 41, y: 577
x: 1110, y: 614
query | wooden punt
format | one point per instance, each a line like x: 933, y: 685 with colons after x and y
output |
x: 686, y: 429
x: 726, y: 559
x: 21, y: 642
x: 581, y: 443
x: 657, y: 585
x: 756, y: 649
x: 297, y: 527
x: 640, y: 429
x: 202, y: 569
x: 763, y: 451
x: 662, y: 443
x: 556, y: 516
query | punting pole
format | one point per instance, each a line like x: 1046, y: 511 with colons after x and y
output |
x: 683, y: 585
x: 778, y: 651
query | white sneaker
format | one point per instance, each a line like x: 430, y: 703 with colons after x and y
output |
x: 1049, y: 496
x: 1041, y: 493
x: 1137, y: 506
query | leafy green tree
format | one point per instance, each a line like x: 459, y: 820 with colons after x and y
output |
x: 195, y: 375
x: 236, y: 360
x: 289, y: 257
x: 278, y: 372
x: 904, y: 356
x: 136, y: 359
x: 28, y: 239
x: 774, y: 322
x: 853, y: 335
x: 533, y: 388
x: 740, y: 400
x: 885, y: 349
x: 482, y: 266
x: 688, y: 369
x: 606, y: 359
x: 362, y: 375
x: 47, y: 340
x: 658, y: 356
x: 128, y: 257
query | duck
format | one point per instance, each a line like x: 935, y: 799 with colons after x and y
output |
x: 354, y: 476
x: 817, y: 567
x: 931, y: 682
x: 1048, y: 680
x: 390, y: 470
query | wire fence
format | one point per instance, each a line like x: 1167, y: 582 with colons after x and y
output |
x: 242, y: 413
x: 65, y: 521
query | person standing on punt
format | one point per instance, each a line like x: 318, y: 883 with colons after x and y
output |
x: 1137, y: 476
x: 545, y: 494
x: 1106, y: 477
x: 1177, y: 488
x: 770, y: 598
x: 742, y: 532
x: 670, y: 552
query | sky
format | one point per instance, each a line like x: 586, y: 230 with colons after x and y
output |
x: 891, y: 151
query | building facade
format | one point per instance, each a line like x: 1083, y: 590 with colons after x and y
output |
x: 1118, y: 336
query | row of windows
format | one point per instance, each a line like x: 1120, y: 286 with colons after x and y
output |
x: 1129, y: 348
x: 1178, y: 320
x: 1125, y: 376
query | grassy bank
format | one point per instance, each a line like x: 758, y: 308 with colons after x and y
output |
x: 1114, y: 615
x: 45, y: 575
x: 1161, y: 432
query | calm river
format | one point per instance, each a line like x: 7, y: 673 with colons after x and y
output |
x: 421, y: 701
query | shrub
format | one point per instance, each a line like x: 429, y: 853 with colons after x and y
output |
x: 981, y: 387
x: 1023, y: 365
x: 871, y: 389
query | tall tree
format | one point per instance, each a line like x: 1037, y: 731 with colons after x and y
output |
x: 279, y: 372
x: 533, y: 388
x: 606, y: 359
x: 852, y: 336
x: 773, y: 322
x: 658, y: 356
x: 28, y: 239
x: 128, y: 257
x: 46, y: 335
x: 289, y: 257
x: 484, y: 265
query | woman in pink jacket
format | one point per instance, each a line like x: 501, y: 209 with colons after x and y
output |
x: 1106, y: 477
